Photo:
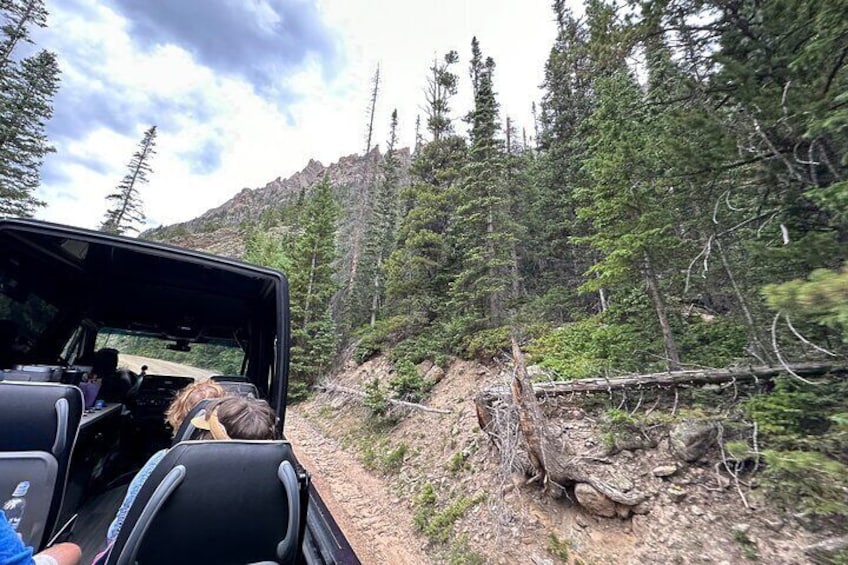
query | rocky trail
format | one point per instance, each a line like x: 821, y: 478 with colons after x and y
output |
x: 378, y: 525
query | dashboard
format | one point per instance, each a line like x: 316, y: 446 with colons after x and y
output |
x: 154, y: 394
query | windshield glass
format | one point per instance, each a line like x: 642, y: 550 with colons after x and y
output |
x: 218, y: 357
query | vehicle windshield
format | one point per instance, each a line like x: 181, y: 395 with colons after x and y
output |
x: 215, y: 357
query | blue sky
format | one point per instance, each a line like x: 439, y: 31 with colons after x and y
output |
x: 244, y: 91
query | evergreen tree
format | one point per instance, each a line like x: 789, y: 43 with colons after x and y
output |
x: 484, y: 229
x: 27, y: 88
x: 126, y: 210
x: 627, y: 202
x: 419, y: 271
x: 312, y: 286
x: 369, y: 288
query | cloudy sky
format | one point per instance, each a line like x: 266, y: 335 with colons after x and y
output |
x: 244, y: 91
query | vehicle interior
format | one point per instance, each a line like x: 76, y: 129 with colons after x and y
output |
x: 146, y: 320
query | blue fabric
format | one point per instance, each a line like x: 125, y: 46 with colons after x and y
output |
x: 12, y: 549
x: 132, y: 492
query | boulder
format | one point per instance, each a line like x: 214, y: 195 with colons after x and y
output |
x: 435, y: 374
x: 689, y: 440
x: 594, y: 501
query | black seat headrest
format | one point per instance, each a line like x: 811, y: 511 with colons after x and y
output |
x: 43, y: 419
x: 216, y: 502
x: 229, y: 379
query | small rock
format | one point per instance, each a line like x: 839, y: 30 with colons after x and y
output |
x: 594, y: 501
x: 676, y: 493
x: 696, y: 510
x: 741, y: 529
x: 689, y: 440
x: 664, y: 470
x: 774, y: 524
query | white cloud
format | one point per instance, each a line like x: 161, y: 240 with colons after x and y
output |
x: 261, y: 137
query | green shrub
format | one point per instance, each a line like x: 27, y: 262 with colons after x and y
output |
x: 428, y: 345
x: 392, y: 460
x: 436, y: 523
x: 808, y: 481
x: 589, y: 348
x: 408, y: 383
x: 375, y: 398
x: 458, y: 462
x: 714, y: 343
x: 486, y: 344
x: 373, y: 339
x: 796, y: 416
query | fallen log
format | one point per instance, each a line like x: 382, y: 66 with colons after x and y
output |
x: 667, y: 379
x: 395, y: 402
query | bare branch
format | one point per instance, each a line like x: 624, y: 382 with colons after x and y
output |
x: 805, y: 340
x: 779, y: 356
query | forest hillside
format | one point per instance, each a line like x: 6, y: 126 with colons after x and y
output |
x: 679, y: 207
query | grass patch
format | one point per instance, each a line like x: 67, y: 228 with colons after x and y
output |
x: 559, y: 548
x: 436, y: 521
x: 460, y: 553
x: 458, y: 463
x: 747, y: 546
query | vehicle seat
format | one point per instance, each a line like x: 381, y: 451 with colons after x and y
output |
x: 216, y: 502
x: 237, y: 386
x: 39, y: 424
x: 187, y: 429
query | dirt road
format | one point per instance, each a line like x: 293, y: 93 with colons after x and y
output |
x: 378, y: 526
x: 159, y: 367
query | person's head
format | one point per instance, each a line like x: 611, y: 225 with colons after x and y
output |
x: 188, y: 398
x: 235, y: 417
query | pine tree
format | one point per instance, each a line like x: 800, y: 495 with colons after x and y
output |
x: 27, y: 88
x: 126, y: 210
x: 630, y: 207
x: 369, y: 288
x: 484, y: 229
x: 312, y: 287
x: 419, y: 270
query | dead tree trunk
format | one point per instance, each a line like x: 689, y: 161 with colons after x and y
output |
x: 553, y: 463
x: 670, y: 379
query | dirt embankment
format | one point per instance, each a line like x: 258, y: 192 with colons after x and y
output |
x: 376, y: 476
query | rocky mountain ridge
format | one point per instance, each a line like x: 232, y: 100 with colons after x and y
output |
x: 220, y: 229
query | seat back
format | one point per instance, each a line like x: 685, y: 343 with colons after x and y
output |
x: 39, y: 424
x: 216, y: 502
x: 236, y: 385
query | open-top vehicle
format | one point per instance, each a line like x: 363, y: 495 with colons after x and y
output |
x: 148, y: 319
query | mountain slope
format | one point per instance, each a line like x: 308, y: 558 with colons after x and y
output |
x: 220, y: 230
